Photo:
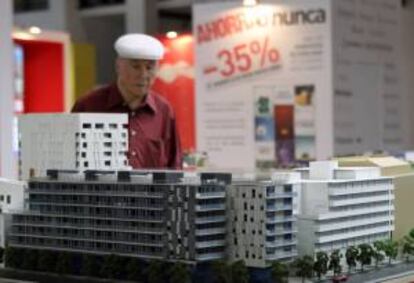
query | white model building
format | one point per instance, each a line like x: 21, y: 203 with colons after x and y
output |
x: 11, y: 200
x: 343, y: 207
x: 262, y: 218
x: 82, y: 141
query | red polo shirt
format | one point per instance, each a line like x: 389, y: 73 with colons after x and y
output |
x: 153, y: 136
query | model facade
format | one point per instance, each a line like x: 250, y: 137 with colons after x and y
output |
x: 403, y: 179
x: 150, y: 215
x: 11, y: 200
x: 262, y: 219
x: 342, y: 207
x: 72, y: 142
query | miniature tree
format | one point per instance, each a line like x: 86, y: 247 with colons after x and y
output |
x: 1, y: 254
x: 178, y: 273
x: 112, y: 267
x: 335, y: 262
x: 377, y: 252
x: 407, y: 247
x: 351, y: 255
x: 280, y: 272
x: 221, y: 271
x: 13, y: 257
x: 320, y: 265
x: 90, y: 265
x: 46, y: 261
x: 239, y: 272
x: 390, y: 250
x: 64, y: 263
x: 365, y: 255
x: 155, y: 272
x: 133, y: 269
x: 304, y: 267
x: 29, y: 260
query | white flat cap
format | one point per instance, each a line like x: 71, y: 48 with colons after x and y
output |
x: 139, y: 46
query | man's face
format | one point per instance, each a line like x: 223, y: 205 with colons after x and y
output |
x: 136, y: 75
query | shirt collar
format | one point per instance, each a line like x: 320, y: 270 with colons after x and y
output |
x: 115, y: 99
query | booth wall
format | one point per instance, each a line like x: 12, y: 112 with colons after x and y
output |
x: 7, y: 168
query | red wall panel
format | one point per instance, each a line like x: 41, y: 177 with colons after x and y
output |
x: 43, y: 76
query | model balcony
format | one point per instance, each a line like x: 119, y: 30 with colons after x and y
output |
x: 279, y: 219
x: 210, y: 207
x: 344, y: 236
x: 281, y: 255
x: 278, y: 207
x: 209, y: 256
x: 209, y: 219
x: 323, y: 227
x: 87, y: 227
x: 58, y: 237
x: 362, y: 200
x: 81, y: 216
x: 277, y: 232
x: 279, y: 244
x: 210, y: 244
x: 279, y: 195
x: 358, y: 190
x: 210, y: 195
x: 83, y: 192
x: 210, y: 231
x: 86, y: 250
x: 356, y: 212
x: 99, y: 205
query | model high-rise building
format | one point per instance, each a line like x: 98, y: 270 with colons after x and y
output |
x: 11, y: 200
x: 83, y: 141
x: 343, y: 207
x: 262, y: 219
x: 165, y: 215
x: 403, y: 178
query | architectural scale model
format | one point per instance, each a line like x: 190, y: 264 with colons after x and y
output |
x: 83, y: 141
x: 262, y: 218
x: 342, y: 207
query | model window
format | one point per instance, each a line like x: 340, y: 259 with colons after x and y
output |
x: 28, y: 6
x: 85, y: 164
x: 83, y: 154
x: 288, y: 188
x: 99, y: 126
x: 86, y: 126
x: 107, y: 135
x: 107, y: 163
x: 113, y: 126
x: 8, y: 199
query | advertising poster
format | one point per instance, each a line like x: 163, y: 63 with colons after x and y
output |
x: 260, y: 73
x: 368, y: 98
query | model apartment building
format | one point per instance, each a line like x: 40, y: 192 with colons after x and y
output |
x: 11, y: 200
x: 82, y: 141
x: 166, y: 215
x: 340, y: 207
x: 262, y: 218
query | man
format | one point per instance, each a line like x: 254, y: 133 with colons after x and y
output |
x: 153, y: 136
